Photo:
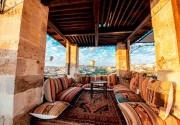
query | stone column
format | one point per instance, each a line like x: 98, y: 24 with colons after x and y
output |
x: 122, y: 57
x: 122, y: 60
x: 22, y: 52
x: 72, y: 59
x: 166, y: 24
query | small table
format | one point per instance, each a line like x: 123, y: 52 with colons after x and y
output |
x: 98, y: 82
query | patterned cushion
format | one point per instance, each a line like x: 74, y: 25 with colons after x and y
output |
x: 138, y: 113
x: 142, y: 88
x: 134, y: 82
x: 113, y: 79
x: 160, y: 97
x: 50, y: 110
x: 125, y: 77
x: 68, y: 94
x: 120, y: 88
x: 52, y: 86
x: 70, y: 82
x: 127, y: 97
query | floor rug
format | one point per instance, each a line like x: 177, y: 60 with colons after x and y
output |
x: 97, y: 110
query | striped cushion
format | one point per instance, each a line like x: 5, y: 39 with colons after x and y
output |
x: 113, y: 79
x: 142, y: 88
x: 128, y: 97
x: 68, y: 94
x: 50, y: 110
x: 52, y: 86
x: 138, y: 113
x: 120, y: 88
x: 160, y: 97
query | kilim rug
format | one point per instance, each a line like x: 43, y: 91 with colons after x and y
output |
x: 97, y: 110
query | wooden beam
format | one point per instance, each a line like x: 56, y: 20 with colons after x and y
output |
x: 113, y: 33
x: 51, y: 25
x: 96, y: 20
x: 139, y: 27
x: 59, y: 9
x: 66, y: 2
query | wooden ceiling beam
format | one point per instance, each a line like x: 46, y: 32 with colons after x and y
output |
x: 136, y: 12
x: 74, y: 24
x: 68, y: 8
x: 52, y: 26
x: 104, y: 6
x: 77, y: 21
x: 72, y: 15
x: 53, y: 3
x: 96, y: 20
x: 108, y: 14
x: 70, y: 12
x: 71, y: 18
x: 139, y: 27
x: 124, y: 12
x: 110, y: 23
x: 106, y: 33
x: 119, y: 13
x: 130, y: 12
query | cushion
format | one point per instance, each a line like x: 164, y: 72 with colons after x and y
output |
x: 68, y: 95
x: 113, y: 79
x: 142, y: 87
x: 139, y: 113
x: 125, y: 78
x: 127, y: 97
x: 52, y: 86
x: 134, y: 82
x: 49, y: 90
x: 50, y: 110
x: 120, y: 88
x: 160, y: 97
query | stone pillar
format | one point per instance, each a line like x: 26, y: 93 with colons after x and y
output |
x: 166, y: 24
x: 122, y: 57
x: 72, y: 59
x: 22, y: 53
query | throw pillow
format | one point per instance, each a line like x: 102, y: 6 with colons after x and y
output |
x: 50, y: 110
x: 160, y: 97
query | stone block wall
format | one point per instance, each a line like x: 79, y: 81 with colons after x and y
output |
x: 22, y: 56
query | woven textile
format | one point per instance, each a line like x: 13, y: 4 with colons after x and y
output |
x: 97, y: 110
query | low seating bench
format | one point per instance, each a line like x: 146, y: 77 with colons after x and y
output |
x: 135, y: 99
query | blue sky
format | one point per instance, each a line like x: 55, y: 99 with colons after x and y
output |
x: 103, y: 56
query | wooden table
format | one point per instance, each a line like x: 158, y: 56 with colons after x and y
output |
x: 99, y: 82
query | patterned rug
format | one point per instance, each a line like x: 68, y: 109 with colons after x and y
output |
x: 97, y: 110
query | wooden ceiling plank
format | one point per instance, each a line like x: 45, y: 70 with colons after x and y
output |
x: 89, y: 38
x: 119, y: 13
x: 86, y: 37
x: 96, y: 20
x: 139, y: 14
x: 52, y: 26
x: 70, y: 40
x: 74, y: 24
x: 139, y: 27
x: 70, y: 7
x: 110, y: 23
x: 54, y: 3
x: 73, y: 37
x: 124, y: 12
x: 82, y: 40
x: 70, y: 18
x: 78, y: 21
x: 82, y: 37
x: 72, y: 15
x: 136, y: 11
x: 130, y: 12
x: 109, y: 9
x: 113, y: 33
x: 102, y: 17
